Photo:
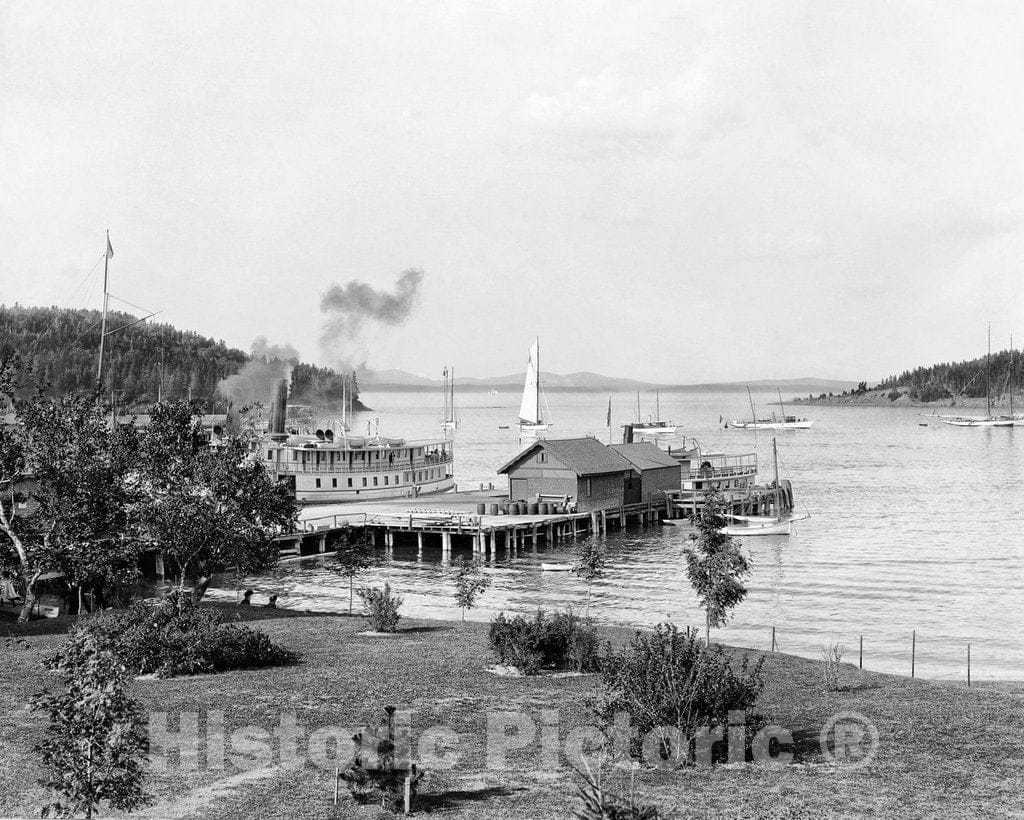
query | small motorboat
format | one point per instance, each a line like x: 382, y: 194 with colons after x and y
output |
x: 555, y: 567
x: 502, y: 426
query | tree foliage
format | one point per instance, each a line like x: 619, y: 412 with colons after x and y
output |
x: 353, y: 553
x: 96, y: 740
x: 715, y: 565
x: 589, y: 564
x: 66, y: 504
x: 209, y: 508
x: 470, y: 583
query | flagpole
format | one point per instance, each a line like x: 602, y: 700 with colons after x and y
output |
x: 103, y: 322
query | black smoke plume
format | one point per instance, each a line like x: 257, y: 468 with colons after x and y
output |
x: 348, y: 308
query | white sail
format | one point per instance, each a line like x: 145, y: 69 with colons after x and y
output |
x: 529, y: 410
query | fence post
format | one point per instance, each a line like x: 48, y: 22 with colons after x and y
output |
x: 773, y: 639
x: 913, y: 652
x: 860, y: 663
x: 968, y: 666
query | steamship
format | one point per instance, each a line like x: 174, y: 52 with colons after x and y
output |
x: 327, y: 464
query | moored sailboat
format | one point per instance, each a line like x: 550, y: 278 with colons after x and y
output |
x: 988, y: 420
x: 532, y: 421
x: 655, y: 426
x: 786, y: 422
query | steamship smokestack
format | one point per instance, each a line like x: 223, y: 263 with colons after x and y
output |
x: 278, y: 407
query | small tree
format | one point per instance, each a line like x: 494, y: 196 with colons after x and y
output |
x: 96, y: 741
x: 353, y: 554
x: 589, y: 564
x: 470, y: 583
x: 717, y: 566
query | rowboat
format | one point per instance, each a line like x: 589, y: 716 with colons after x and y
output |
x: 555, y: 567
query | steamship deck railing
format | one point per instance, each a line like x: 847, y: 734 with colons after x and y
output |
x: 381, y: 467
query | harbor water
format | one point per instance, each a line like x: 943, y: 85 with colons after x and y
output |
x: 916, y: 528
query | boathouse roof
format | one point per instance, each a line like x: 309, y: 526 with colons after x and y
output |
x: 644, y: 455
x: 584, y: 456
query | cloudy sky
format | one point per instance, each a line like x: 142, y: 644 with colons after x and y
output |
x: 677, y: 192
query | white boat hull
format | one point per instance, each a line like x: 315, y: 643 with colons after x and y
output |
x: 655, y: 430
x: 556, y: 567
x: 765, y: 526
x: 802, y: 424
x: 979, y: 421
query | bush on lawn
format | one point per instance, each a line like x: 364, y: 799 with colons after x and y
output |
x: 670, y: 680
x: 381, y: 608
x: 174, y: 637
x: 559, y: 641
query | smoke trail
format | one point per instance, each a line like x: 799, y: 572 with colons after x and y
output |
x: 348, y: 308
x: 254, y: 381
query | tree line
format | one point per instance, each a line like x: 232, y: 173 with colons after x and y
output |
x: 966, y: 378
x: 144, y: 362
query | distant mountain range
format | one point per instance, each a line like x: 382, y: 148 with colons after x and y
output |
x: 585, y: 381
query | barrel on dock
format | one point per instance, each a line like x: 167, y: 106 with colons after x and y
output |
x: 533, y: 509
x: 543, y: 508
x: 481, y: 509
x: 492, y: 509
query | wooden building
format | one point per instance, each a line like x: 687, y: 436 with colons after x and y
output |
x: 582, y: 470
x: 654, y: 472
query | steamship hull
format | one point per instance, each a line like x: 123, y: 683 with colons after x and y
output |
x: 329, y: 465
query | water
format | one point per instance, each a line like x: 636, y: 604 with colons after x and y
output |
x: 911, y: 528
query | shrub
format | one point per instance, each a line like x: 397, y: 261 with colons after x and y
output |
x: 381, y: 608
x: 671, y: 680
x: 175, y: 637
x: 602, y: 803
x: 894, y: 394
x: 832, y: 656
x: 559, y: 641
x: 96, y: 741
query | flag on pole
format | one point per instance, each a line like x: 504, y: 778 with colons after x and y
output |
x: 609, y: 422
x: 110, y: 249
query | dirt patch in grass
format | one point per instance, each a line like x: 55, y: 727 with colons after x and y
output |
x: 943, y: 749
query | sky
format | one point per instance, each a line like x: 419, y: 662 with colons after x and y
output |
x: 675, y: 192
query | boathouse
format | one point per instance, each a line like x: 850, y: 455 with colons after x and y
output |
x: 582, y: 470
x: 654, y: 472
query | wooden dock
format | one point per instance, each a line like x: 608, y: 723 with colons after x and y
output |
x: 454, y: 518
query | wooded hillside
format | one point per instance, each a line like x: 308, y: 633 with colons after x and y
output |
x: 145, y: 360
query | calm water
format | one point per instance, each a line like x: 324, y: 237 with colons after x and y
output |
x: 912, y: 528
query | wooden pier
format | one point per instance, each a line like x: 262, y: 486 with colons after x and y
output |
x: 453, y: 519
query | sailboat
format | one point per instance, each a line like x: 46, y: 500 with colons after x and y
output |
x: 785, y: 423
x: 531, y: 420
x: 655, y: 426
x: 779, y: 524
x: 450, y: 421
x: 988, y: 420
x: 1016, y: 418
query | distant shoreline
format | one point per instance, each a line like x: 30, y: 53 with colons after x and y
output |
x: 880, y: 398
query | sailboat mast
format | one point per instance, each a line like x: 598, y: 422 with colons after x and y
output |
x: 775, y: 454
x: 657, y: 405
x: 1011, y: 380
x: 781, y: 405
x: 103, y: 322
x: 988, y: 387
x: 536, y: 414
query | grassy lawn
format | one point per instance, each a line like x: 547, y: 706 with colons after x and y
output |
x: 943, y: 750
